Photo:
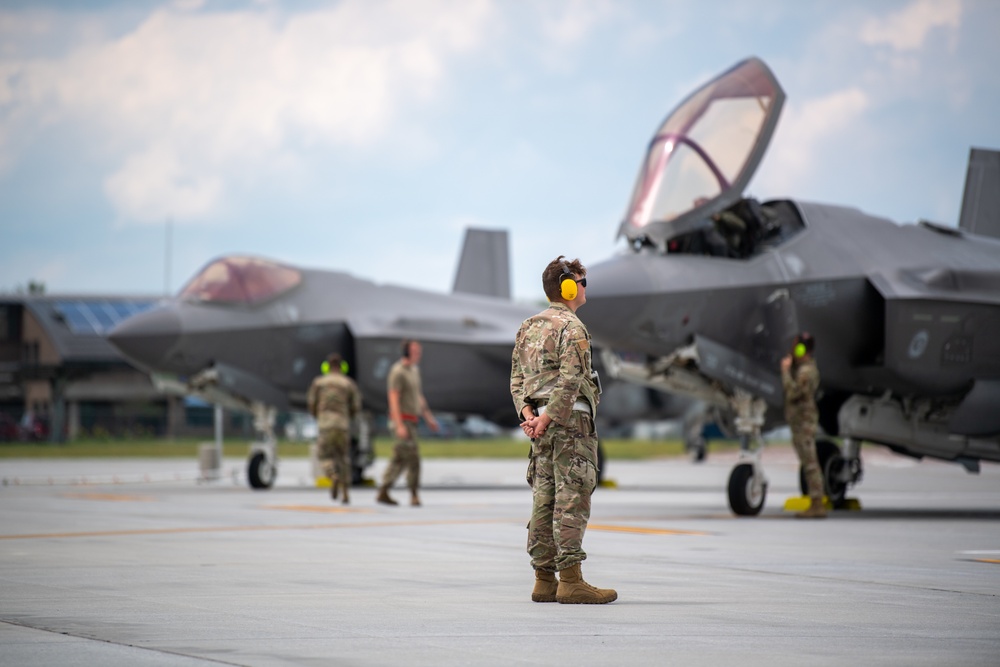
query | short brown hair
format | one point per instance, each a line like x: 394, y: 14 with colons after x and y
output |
x: 553, y: 274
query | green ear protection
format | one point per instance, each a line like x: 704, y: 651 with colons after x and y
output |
x: 344, y: 367
x: 799, y: 350
x: 567, y: 286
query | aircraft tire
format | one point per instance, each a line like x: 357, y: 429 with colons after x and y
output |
x: 742, y: 499
x: 260, y: 471
x: 830, y: 463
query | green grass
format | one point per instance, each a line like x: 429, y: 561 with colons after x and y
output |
x: 487, y: 448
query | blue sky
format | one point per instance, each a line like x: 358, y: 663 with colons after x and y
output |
x: 366, y: 135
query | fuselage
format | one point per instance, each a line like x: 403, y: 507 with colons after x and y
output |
x: 467, y: 340
x: 890, y: 305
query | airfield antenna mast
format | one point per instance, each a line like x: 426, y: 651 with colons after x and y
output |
x: 166, y: 260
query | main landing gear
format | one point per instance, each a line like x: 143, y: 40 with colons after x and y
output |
x: 840, y: 467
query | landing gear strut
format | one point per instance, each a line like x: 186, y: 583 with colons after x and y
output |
x: 262, y: 464
x: 747, y: 482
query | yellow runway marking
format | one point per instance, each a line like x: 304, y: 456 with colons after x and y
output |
x: 987, y: 560
x: 236, y: 529
x: 644, y: 531
x: 321, y: 509
x: 326, y: 526
x: 108, y: 496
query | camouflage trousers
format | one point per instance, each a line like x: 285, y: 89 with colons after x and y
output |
x: 562, y: 473
x: 405, y: 458
x: 804, y: 442
x: 334, y: 454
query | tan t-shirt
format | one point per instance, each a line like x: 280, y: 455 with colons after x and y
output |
x: 406, y: 380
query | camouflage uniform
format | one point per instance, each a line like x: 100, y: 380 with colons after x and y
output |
x: 334, y: 399
x: 406, y: 453
x: 800, y: 384
x: 551, y: 368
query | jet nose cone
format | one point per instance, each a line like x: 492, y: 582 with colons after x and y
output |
x: 148, y: 338
x: 617, y: 295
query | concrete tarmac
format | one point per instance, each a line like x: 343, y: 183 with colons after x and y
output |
x: 133, y: 562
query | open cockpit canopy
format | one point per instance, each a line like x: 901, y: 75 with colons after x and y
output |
x: 704, y: 154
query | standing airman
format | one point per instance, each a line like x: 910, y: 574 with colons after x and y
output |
x: 556, y: 392
x: 800, y: 378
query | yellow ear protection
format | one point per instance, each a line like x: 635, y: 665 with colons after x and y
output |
x: 325, y: 367
x: 799, y: 350
x: 567, y: 286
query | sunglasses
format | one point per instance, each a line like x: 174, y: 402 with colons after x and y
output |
x: 582, y: 281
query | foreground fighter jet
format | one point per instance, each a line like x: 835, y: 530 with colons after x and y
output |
x: 713, y: 287
x: 250, y: 334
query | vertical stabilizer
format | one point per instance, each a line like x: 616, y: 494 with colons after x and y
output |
x: 981, y: 201
x: 484, y: 267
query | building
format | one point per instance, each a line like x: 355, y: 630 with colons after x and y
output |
x: 60, y: 379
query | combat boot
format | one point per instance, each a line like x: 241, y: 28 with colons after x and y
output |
x: 817, y: 510
x: 574, y: 590
x: 545, y: 587
x: 383, y: 497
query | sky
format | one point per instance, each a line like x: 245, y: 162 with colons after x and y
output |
x: 141, y: 140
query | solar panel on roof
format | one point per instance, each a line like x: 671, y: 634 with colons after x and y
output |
x: 99, y: 316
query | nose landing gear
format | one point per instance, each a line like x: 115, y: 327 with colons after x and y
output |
x: 747, y: 482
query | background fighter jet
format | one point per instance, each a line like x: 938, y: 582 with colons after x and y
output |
x: 250, y: 333
x: 714, y: 286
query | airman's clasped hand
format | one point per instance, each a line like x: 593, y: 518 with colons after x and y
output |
x: 536, y: 425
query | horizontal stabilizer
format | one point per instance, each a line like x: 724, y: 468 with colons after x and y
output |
x: 484, y: 267
x: 981, y: 201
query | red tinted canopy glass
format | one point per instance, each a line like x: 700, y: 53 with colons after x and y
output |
x: 706, y: 151
x: 240, y: 280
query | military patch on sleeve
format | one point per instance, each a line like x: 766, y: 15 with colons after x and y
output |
x: 584, y: 344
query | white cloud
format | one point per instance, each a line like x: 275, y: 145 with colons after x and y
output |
x: 569, y: 23
x: 187, y: 100
x: 564, y: 28
x: 907, y: 29
x: 804, y: 130
x: 154, y: 185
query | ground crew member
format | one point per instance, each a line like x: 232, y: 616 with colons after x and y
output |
x: 800, y: 379
x: 334, y: 400
x: 406, y: 405
x: 556, y: 392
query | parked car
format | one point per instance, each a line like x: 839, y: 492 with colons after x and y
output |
x: 34, y: 428
x: 9, y: 429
